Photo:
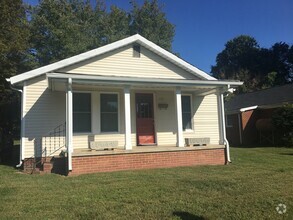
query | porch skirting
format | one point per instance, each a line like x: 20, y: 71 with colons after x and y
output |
x: 146, y: 160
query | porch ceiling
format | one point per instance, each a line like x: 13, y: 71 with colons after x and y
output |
x: 58, y: 81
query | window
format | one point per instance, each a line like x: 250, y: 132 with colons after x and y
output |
x: 229, y: 121
x: 81, y: 112
x: 109, y: 113
x: 186, y: 112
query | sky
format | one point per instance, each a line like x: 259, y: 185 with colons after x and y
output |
x: 202, y: 27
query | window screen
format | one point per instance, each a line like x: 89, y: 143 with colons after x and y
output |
x: 81, y: 112
x: 186, y: 112
x: 109, y: 112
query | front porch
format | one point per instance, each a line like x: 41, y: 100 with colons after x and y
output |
x: 133, y: 112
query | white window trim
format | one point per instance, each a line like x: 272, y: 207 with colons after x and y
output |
x: 83, y: 133
x: 99, y: 116
x: 191, y: 112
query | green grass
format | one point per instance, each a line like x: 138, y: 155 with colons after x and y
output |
x: 249, y: 188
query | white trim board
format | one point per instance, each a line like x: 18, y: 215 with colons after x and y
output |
x: 107, y: 48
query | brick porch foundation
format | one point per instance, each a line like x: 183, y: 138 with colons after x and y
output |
x: 146, y: 160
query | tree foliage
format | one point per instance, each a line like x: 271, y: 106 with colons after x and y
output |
x: 14, y: 46
x: 243, y: 59
x: 283, y: 123
x: 63, y: 28
x: 151, y: 22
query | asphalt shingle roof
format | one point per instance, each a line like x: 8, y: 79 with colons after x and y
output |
x: 275, y: 96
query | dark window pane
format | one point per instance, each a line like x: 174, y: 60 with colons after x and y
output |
x: 186, y: 112
x: 81, y: 102
x: 109, y: 112
x: 109, y: 122
x: 81, y: 122
x: 81, y: 112
x: 109, y: 103
x: 186, y: 104
x: 186, y: 120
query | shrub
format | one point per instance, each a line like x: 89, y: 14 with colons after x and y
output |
x: 283, y: 124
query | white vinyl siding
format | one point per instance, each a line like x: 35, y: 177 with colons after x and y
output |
x: 44, y: 111
x: 205, y: 119
x: 121, y: 62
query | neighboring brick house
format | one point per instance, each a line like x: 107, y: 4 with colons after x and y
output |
x: 248, y: 116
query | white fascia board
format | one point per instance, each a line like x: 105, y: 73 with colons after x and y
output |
x: 248, y: 108
x: 136, y: 80
x: 107, y: 48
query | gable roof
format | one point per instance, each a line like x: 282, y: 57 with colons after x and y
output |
x: 267, y: 98
x: 107, y: 48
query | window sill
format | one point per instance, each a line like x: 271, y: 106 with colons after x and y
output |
x: 82, y: 133
x: 188, y: 131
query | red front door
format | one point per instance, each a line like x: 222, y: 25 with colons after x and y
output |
x: 145, y: 130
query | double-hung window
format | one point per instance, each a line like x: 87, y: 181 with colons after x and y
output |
x: 186, y: 112
x: 109, y: 112
x: 82, y: 112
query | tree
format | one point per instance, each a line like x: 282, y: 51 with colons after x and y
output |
x: 237, y: 61
x: 13, y: 49
x: 117, y: 25
x: 259, y: 68
x: 151, y: 22
x: 63, y: 28
x: 13, y: 42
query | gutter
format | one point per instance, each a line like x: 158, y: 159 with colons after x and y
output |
x: 20, y: 150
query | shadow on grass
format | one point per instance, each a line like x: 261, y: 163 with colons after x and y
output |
x: 187, y: 216
x: 287, y: 154
x: 257, y: 146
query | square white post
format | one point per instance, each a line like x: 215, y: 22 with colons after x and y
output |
x: 69, y: 123
x: 180, y: 142
x: 127, y: 118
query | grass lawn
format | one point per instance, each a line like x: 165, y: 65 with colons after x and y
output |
x: 249, y: 188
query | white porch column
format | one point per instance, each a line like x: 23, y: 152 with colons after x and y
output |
x: 127, y: 118
x: 180, y: 142
x: 69, y: 123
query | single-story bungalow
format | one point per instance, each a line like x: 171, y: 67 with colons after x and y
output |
x: 126, y: 105
x: 248, y: 116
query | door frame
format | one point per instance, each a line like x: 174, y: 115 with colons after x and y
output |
x: 154, y: 116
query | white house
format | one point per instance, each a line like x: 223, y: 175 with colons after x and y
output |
x: 131, y: 96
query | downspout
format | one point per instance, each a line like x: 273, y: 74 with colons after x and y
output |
x: 20, y: 150
x: 226, y: 142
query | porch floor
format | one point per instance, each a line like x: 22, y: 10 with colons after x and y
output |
x: 141, y: 149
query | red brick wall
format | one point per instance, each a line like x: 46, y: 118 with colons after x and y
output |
x: 135, y: 161
x: 249, y: 133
